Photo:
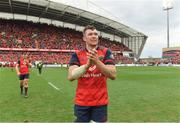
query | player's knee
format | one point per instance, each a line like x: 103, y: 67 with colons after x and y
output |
x: 25, y: 84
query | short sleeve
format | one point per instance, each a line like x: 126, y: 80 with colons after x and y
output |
x: 109, y: 58
x: 74, y: 60
x: 18, y: 62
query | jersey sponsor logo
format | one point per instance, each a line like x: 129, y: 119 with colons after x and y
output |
x: 90, y: 75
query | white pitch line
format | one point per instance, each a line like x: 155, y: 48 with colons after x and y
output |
x: 53, y: 86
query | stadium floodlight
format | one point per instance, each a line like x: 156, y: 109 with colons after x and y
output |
x: 167, y: 5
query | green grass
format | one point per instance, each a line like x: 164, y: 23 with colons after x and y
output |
x: 139, y: 94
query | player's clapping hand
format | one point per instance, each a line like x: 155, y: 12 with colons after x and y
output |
x: 93, y: 56
x: 89, y: 62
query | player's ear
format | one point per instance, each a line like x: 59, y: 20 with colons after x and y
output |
x: 84, y: 38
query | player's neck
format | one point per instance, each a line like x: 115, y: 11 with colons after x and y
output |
x: 90, y: 47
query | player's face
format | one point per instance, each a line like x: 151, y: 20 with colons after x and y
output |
x: 91, y: 37
x: 25, y: 56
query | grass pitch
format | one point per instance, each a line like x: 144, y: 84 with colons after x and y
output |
x: 139, y: 94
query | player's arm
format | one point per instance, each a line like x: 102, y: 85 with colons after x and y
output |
x: 107, y: 69
x: 70, y: 76
x: 17, y: 68
x: 29, y: 63
x: 75, y: 70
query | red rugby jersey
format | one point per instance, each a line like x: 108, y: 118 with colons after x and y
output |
x: 23, y: 66
x: 92, y: 88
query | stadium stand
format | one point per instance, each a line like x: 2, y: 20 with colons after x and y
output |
x: 18, y: 34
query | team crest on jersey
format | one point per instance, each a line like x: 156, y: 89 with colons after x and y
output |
x: 92, y: 68
x: 101, y: 58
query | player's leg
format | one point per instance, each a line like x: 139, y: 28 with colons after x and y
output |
x: 21, y: 86
x: 21, y: 83
x: 99, y: 113
x: 26, y: 87
x: 40, y: 70
x: 26, y: 84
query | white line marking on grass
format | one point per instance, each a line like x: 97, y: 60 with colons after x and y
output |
x: 53, y: 86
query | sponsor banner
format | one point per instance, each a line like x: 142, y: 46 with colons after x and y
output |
x: 30, y: 49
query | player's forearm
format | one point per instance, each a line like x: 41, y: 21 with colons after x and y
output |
x: 109, y: 71
x: 75, y: 73
x: 17, y: 70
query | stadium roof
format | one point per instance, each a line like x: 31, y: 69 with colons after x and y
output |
x: 65, y: 13
x: 61, y: 12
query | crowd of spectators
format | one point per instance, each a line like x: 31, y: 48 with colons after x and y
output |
x: 46, y: 57
x: 23, y: 34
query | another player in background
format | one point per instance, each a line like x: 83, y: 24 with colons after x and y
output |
x: 22, y: 70
x: 91, y: 66
x: 39, y: 67
x: 11, y: 65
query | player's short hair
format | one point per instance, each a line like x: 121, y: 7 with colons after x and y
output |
x: 91, y: 27
x: 25, y: 54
